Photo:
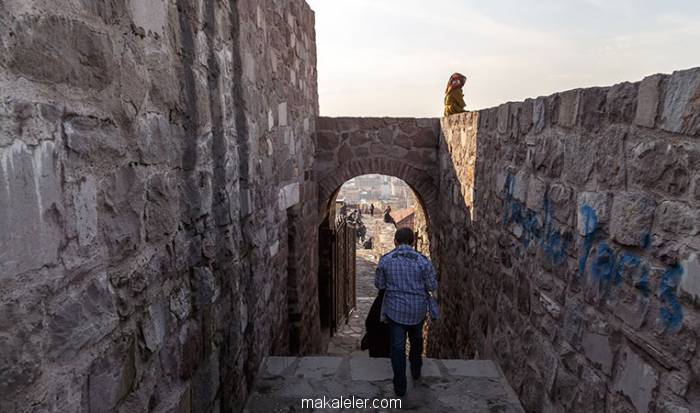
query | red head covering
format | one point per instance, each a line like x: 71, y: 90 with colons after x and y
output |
x: 456, y: 81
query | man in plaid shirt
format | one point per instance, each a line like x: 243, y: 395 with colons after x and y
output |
x: 406, y: 276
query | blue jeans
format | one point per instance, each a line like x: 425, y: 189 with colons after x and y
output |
x: 397, y: 334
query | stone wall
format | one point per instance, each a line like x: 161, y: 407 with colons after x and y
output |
x: 154, y: 164
x: 569, y: 245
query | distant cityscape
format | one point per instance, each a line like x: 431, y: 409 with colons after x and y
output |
x: 380, y: 190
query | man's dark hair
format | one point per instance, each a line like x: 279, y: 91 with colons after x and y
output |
x: 404, y: 236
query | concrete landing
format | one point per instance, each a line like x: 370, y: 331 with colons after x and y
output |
x: 446, y: 385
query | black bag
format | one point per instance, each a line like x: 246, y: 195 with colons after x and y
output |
x: 376, y: 339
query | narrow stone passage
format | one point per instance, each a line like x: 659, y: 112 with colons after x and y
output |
x: 346, y: 374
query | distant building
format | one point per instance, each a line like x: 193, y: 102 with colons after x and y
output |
x: 404, y: 218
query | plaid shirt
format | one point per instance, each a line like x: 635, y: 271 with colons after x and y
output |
x: 406, y: 275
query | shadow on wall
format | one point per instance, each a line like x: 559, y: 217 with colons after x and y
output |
x: 452, y: 336
x: 569, y: 244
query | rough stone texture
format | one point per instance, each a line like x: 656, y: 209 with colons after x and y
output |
x: 163, y: 172
x: 151, y: 154
x: 648, y: 101
x: 450, y: 386
x: 637, y: 381
x: 568, y: 251
x: 632, y: 215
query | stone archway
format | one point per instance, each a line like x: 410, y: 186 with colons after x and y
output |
x: 405, y: 148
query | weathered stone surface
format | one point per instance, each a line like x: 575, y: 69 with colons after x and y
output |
x: 621, y: 102
x: 317, y: 367
x: 151, y: 16
x: 648, y: 101
x: 536, y: 193
x: 367, y: 369
x: 30, y: 199
x: 371, y: 378
x: 120, y: 207
x: 81, y: 320
x: 690, y: 283
x: 562, y: 205
x: 568, y: 107
x: 538, y: 114
x: 154, y: 327
x: 54, y: 49
x: 597, y: 349
x: 661, y: 165
x: 111, y: 377
x: 637, y: 380
x: 472, y: 368
x: 681, y: 107
x: 181, y: 303
x: 593, y: 211
x: 631, y: 218
x: 675, y: 218
x: 29, y: 122
x: 277, y: 366
x: 288, y: 196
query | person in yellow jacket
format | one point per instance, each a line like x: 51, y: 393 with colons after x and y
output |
x: 454, y: 97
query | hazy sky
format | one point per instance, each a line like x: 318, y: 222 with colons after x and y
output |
x: 393, y: 57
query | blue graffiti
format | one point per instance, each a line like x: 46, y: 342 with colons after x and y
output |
x: 604, y: 264
x: 643, y: 283
x: 590, y: 225
x: 628, y: 262
x: 610, y: 269
x: 672, y: 312
x: 552, y: 242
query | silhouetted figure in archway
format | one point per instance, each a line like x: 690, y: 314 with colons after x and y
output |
x: 407, y: 277
x: 387, y: 216
x: 361, y: 231
x: 454, y: 96
x: 371, y: 210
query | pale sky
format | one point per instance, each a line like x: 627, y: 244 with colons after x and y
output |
x: 393, y: 57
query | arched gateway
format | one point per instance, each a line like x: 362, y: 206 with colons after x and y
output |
x: 405, y: 148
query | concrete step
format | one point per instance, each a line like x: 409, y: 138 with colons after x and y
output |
x: 446, y: 385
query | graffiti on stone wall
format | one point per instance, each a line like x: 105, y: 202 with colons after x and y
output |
x: 606, y: 267
x: 609, y: 269
x: 536, y: 227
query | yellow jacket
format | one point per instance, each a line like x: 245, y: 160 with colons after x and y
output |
x: 454, y: 102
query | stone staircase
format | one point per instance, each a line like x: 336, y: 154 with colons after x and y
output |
x: 445, y: 386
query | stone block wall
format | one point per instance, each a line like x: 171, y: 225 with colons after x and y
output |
x: 569, y: 245
x: 155, y: 160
